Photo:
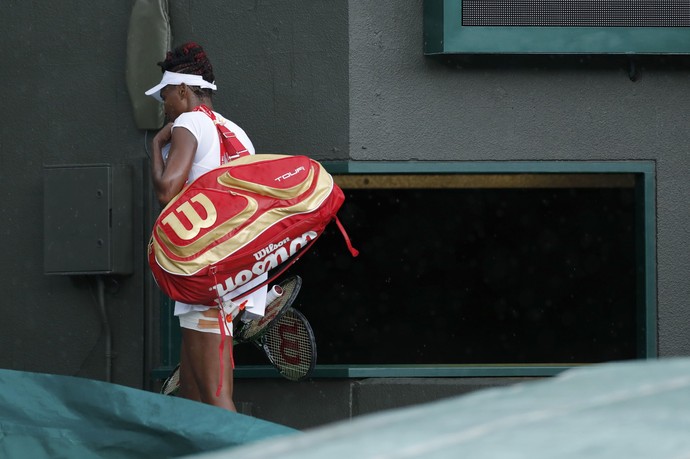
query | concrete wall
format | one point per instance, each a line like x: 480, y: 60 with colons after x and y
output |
x: 406, y: 106
x: 313, y: 403
x: 335, y: 80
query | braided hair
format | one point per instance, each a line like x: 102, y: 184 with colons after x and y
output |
x: 190, y: 58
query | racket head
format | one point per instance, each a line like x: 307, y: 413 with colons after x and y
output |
x: 255, y: 329
x: 172, y: 383
x: 290, y: 346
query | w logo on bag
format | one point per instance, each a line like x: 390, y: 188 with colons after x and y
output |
x: 192, y: 216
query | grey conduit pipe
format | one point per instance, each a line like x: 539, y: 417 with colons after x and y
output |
x: 107, y: 335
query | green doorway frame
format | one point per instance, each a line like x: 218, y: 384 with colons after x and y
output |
x: 645, y: 191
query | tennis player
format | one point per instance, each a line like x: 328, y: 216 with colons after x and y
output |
x: 185, y: 148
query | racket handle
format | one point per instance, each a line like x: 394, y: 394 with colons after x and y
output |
x: 230, y: 308
x: 274, y: 292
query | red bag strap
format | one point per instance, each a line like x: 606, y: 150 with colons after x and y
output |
x: 354, y: 252
x: 230, y: 146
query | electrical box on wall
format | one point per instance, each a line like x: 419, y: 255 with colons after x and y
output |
x: 87, y: 218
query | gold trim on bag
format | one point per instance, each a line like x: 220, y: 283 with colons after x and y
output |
x: 241, y: 239
x: 281, y: 193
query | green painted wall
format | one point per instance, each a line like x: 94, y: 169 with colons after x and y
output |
x: 282, y: 73
x: 282, y: 68
x: 65, y: 103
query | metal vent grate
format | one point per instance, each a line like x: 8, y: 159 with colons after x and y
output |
x: 576, y: 13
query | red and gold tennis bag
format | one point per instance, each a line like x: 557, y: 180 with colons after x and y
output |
x: 238, y: 221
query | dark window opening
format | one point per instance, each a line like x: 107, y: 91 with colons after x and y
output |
x: 483, y: 269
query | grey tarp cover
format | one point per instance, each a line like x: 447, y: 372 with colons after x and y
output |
x: 51, y: 416
x: 610, y: 411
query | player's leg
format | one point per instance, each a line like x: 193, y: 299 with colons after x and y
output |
x: 188, y: 387
x: 204, y: 366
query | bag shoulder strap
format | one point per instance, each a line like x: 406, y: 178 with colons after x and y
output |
x: 230, y: 146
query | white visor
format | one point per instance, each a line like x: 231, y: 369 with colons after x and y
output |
x: 176, y: 79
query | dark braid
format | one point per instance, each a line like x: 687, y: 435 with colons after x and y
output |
x: 190, y: 58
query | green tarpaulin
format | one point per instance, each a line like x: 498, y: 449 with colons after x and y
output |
x: 51, y: 416
x: 612, y: 411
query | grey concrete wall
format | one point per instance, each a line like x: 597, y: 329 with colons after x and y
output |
x: 310, y: 404
x: 405, y: 106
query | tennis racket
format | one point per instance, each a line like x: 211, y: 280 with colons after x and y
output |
x: 172, y: 383
x: 255, y: 329
x: 252, y: 330
x: 290, y: 346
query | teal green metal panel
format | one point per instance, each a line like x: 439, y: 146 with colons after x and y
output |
x: 335, y: 167
x: 494, y: 167
x: 647, y: 294
x: 171, y: 335
x: 412, y: 371
x: 456, y: 38
x: 650, y: 291
x: 647, y: 313
x: 433, y: 27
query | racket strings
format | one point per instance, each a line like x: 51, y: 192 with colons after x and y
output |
x: 172, y: 384
x: 291, y: 347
